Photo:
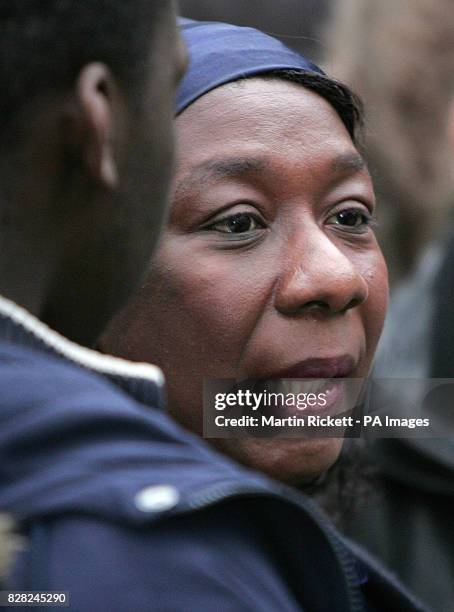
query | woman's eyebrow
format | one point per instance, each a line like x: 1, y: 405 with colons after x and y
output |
x: 348, y: 163
x: 216, y: 169
x: 238, y: 167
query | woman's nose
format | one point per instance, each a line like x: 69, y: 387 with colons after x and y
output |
x: 317, y: 275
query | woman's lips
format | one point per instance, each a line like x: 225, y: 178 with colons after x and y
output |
x: 320, y: 371
x: 331, y: 367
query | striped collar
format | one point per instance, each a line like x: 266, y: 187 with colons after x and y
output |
x: 145, y: 382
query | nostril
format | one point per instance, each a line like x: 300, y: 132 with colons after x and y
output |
x: 327, y: 306
x: 315, y: 305
x: 352, y: 304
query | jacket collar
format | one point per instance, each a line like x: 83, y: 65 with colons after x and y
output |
x: 145, y: 382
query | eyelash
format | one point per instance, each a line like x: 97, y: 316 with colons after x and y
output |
x: 259, y: 222
x: 369, y: 220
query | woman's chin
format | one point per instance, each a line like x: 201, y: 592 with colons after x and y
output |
x: 292, y: 461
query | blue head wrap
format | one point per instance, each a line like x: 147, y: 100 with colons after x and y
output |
x: 220, y: 53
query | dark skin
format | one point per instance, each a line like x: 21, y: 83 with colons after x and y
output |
x: 83, y: 191
x: 269, y: 259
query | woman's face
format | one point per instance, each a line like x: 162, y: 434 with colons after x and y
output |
x: 268, y: 262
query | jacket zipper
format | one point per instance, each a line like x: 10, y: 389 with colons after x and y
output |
x: 217, y: 493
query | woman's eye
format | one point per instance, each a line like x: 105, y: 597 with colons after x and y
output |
x: 354, y: 218
x: 239, y: 223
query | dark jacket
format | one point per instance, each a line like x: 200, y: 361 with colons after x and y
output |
x: 126, y: 512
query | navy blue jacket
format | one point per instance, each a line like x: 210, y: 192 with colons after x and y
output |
x: 125, y: 511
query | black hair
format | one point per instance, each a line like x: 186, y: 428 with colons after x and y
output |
x: 347, y: 104
x: 45, y: 43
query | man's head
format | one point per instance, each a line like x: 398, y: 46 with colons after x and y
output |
x: 85, y: 151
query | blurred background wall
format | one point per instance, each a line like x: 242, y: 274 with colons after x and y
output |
x: 296, y: 22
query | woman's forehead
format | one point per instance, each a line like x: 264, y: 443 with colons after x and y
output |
x: 243, y: 128
x: 252, y: 103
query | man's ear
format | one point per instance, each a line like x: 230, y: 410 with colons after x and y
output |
x: 96, y: 98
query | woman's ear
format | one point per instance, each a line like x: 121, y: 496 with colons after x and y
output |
x: 97, y: 94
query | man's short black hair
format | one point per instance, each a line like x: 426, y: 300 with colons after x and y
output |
x: 45, y: 43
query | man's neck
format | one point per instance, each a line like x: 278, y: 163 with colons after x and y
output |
x: 24, y: 273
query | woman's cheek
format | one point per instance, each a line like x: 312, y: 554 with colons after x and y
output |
x: 217, y: 296
x: 376, y: 274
